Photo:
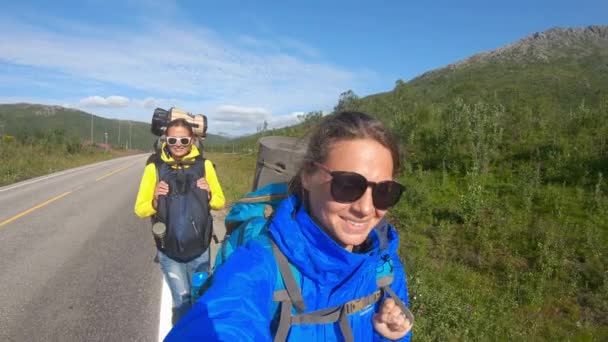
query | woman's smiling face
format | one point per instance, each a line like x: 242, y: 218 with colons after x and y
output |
x: 178, y: 150
x: 349, y: 224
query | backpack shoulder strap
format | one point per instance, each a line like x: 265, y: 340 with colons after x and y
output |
x: 292, y: 288
x: 200, y: 159
x: 290, y: 296
x: 384, y: 280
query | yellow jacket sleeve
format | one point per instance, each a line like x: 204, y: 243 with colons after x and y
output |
x: 143, y: 203
x: 217, y: 195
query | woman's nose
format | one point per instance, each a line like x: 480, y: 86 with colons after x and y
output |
x: 364, y: 205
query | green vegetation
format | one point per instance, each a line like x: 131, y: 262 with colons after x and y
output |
x: 504, y: 226
x: 504, y: 235
x: 45, y: 153
x: 235, y: 173
x: 504, y: 230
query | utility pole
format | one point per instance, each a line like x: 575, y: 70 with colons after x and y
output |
x: 91, y: 128
x: 130, y: 142
x: 105, y: 135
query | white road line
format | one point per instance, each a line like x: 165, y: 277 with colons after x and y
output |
x: 164, y: 322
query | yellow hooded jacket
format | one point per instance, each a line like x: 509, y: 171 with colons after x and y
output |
x: 143, y: 203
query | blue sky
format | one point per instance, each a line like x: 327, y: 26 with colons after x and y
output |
x: 243, y: 62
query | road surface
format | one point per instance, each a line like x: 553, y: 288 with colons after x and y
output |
x: 75, y: 263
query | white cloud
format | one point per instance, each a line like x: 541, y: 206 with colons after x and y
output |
x: 238, y: 120
x: 280, y: 45
x: 174, y: 64
x: 110, y: 101
x: 285, y: 120
x: 149, y: 102
x: 239, y: 109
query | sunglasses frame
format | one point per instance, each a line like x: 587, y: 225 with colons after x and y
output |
x: 179, y: 139
x: 373, y: 185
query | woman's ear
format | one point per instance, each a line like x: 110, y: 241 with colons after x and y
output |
x: 306, y: 180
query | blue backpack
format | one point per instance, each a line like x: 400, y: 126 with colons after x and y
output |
x: 248, y: 220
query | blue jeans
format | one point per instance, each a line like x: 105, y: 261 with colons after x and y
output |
x: 178, y: 276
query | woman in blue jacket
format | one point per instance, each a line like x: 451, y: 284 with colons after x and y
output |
x: 329, y: 229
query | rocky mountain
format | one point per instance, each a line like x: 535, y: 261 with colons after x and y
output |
x: 548, y: 46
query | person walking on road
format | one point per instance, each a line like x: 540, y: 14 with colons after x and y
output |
x: 178, y: 188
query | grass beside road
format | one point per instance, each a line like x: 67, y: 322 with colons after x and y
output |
x: 235, y: 173
x: 25, y: 161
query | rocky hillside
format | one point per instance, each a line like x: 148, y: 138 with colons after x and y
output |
x: 547, y: 46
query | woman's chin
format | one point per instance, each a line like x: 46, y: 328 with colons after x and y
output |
x: 352, y: 239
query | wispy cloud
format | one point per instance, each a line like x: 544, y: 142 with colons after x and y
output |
x: 174, y: 60
x: 110, y: 101
x: 236, y: 113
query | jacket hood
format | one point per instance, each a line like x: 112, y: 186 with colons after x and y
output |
x: 315, y: 253
x: 167, y: 158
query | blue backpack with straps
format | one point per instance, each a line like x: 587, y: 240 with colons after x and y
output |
x: 248, y: 220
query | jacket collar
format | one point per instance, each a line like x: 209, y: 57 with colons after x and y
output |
x: 315, y: 253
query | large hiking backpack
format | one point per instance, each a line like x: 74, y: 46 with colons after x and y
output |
x: 248, y: 216
x: 251, y: 215
x: 185, y: 210
x: 278, y: 160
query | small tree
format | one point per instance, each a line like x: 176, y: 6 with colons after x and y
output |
x: 348, y: 101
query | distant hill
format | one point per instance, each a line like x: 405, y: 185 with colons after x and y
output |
x: 23, y: 118
x: 557, y: 68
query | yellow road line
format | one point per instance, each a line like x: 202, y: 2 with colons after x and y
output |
x: 113, y: 172
x: 33, y: 208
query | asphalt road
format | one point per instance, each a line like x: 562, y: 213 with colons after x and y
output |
x: 76, y: 264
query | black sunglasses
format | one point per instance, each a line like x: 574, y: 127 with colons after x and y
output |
x: 347, y: 187
x: 182, y: 140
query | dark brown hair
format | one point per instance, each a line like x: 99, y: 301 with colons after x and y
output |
x: 180, y: 123
x: 339, y: 127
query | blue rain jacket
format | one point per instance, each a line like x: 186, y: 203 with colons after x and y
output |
x: 239, y: 307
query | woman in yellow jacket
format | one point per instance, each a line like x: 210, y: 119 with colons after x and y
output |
x: 180, y: 259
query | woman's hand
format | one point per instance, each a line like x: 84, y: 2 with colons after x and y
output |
x: 162, y: 188
x: 390, y: 321
x: 202, y: 184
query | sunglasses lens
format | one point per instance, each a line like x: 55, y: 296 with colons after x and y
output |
x: 184, y: 141
x: 347, y: 187
x: 387, y: 194
x: 171, y: 141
